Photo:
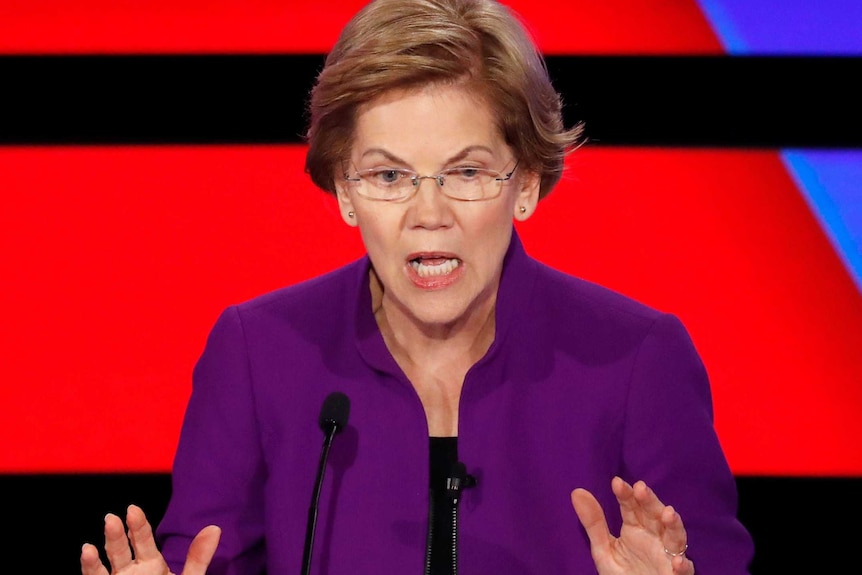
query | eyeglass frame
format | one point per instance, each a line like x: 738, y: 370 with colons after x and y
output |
x: 440, y: 178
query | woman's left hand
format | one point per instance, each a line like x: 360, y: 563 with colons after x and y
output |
x: 652, y: 539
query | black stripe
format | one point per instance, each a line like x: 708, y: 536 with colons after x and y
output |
x: 154, y: 99
x: 49, y: 517
x: 768, y: 102
x: 800, y: 525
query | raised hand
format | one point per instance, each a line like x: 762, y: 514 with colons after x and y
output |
x: 652, y: 539
x: 137, y: 554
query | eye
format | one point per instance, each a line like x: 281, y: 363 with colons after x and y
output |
x: 467, y: 173
x: 386, y: 176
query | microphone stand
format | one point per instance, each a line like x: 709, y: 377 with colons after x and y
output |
x: 312, y: 510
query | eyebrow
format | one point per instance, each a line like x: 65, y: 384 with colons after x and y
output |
x: 459, y: 156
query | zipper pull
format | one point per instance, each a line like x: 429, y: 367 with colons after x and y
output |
x: 458, y: 480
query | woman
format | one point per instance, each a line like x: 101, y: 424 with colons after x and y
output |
x: 467, y: 363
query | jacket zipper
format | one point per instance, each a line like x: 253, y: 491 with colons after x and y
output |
x: 455, y: 498
x: 455, y: 482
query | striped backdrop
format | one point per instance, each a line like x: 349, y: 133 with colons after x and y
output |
x: 151, y: 174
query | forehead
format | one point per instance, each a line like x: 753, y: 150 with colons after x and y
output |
x: 433, y: 119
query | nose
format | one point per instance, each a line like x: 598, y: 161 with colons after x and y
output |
x: 430, y: 208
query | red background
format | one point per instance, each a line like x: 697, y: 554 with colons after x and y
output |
x: 120, y: 259
x: 117, y: 259
x: 299, y: 26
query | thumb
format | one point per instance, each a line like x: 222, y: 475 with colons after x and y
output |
x: 201, y: 550
x: 592, y: 518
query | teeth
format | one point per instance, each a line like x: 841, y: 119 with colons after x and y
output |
x: 436, y: 270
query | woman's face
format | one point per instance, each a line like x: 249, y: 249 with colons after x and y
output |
x: 438, y: 259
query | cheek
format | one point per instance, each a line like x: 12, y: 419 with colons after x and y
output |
x: 378, y: 234
x: 492, y: 230
x: 499, y: 220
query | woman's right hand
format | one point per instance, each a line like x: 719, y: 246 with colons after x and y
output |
x: 137, y: 554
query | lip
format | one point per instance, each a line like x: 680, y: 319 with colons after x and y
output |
x: 434, y: 281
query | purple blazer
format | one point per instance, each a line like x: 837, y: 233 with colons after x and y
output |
x: 580, y: 384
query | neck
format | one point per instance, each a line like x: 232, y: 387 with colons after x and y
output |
x: 461, y: 342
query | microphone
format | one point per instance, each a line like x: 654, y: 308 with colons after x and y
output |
x: 332, y: 420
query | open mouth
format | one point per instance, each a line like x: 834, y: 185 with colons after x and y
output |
x: 427, y: 267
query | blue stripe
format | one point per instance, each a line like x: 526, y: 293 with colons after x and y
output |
x: 788, y: 27
x: 724, y: 26
x: 829, y: 180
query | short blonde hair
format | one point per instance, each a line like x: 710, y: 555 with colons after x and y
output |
x: 403, y: 44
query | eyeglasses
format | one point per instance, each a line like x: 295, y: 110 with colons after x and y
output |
x: 464, y: 183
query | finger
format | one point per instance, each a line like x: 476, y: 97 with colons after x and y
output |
x: 648, y: 507
x: 625, y: 497
x: 660, y: 519
x: 674, y: 537
x: 116, y: 543
x: 141, y: 535
x: 91, y: 563
x: 647, y: 499
x: 682, y: 566
x: 201, y: 550
x: 592, y: 517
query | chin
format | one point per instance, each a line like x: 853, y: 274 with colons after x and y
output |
x: 439, y: 312
x: 434, y: 314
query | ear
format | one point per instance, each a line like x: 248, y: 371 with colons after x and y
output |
x: 345, y: 203
x: 528, y: 195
